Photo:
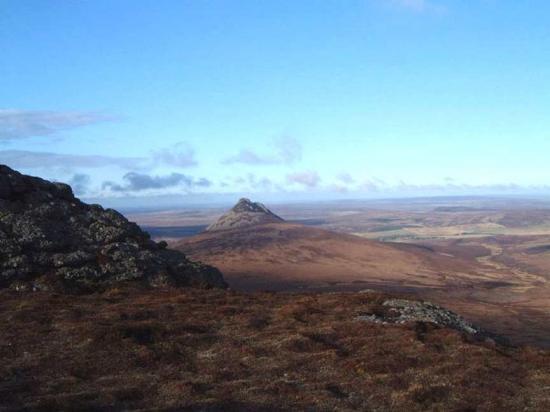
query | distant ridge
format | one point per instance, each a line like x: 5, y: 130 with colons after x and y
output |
x: 245, y: 213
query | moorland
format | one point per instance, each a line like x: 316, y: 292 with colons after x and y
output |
x: 487, y: 258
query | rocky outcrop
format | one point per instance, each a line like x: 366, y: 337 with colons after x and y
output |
x: 245, y: 213
x: 402, y: 311
x: 50, y: 240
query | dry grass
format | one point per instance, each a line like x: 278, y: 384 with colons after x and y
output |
x: 491, y: 281
x: 216, y: 350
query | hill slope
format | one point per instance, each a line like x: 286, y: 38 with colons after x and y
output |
x: 51, y: 240
x: 285, y: 256
x: 214, y: 350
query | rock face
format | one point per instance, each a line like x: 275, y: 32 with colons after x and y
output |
x: 50, y: 240
x: 245, y: 213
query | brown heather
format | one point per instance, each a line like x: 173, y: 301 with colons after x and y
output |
x: 216, y: 350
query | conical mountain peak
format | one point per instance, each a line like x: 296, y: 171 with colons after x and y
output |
x: 245, y: 213
x: 246, y: 205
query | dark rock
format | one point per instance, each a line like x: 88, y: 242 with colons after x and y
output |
x: 51, y: 240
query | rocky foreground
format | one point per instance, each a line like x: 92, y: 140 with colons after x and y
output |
x: 50, y: 240
x: 214, y: 350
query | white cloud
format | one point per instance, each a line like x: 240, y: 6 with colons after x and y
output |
x: 136, y: 182
x: 45, y: 160
x: 20, y: 124
x: 289, y: 150
x: 285, y: 150
x: 80, y: 183
x: 249, y: 157
x: 308, y: 178
x: 179, y: 155
x: 345, y: 178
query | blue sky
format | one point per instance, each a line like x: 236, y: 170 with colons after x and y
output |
x: 282, y: 99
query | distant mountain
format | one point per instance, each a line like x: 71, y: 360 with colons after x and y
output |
x: 50, y: 240
x: 256, y: 249
x: 244, y: 214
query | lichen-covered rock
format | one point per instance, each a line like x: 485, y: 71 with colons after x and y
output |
x: 401, y: 311
x: 51, y: 240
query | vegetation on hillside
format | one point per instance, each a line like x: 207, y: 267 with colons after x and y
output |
x: 218, y: 350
